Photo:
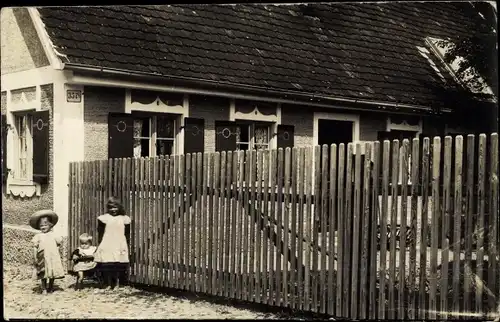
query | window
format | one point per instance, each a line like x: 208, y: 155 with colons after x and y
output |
x: 154, y: 135
x: 252, y: 136
x: 440, y: 47
x: 23, y: 166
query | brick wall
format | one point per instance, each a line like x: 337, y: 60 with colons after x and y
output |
x: 210, y: 109
x: 21, y: 47
x: 16, y: 210
x: 302, y: 117
x: 98, y: 102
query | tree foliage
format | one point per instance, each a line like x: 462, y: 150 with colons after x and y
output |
x: 479, y: 48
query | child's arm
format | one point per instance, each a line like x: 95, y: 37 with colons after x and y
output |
x: 76, y: 255
x: 100, y: 230
x: 127, y: 234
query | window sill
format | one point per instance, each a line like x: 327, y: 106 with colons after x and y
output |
x: 23, y: 188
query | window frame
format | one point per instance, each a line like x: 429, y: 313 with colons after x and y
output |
x: 16, y: 165
x: 153, y: 132
x: 251, y: 134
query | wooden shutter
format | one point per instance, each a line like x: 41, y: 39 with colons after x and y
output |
x: 40, y: 132
x: 120, y: 135
x: 5, y: 170
x: 194, y: 135
x: 285, y: 136
x: 225, y: 136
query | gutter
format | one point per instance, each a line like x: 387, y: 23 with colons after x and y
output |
x: 289, y: 95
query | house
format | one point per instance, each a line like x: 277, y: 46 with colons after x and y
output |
x: 89, y: 83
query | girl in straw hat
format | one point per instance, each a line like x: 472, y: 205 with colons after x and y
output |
x: 83, y: 259
x: 47, y: 259
x: 112, y: 254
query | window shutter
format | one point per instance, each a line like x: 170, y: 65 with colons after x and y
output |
x: 4, y: 148
x: 40, y: 132
x: 120, y: 135
x: 194, y: 135
x: 285, y: 136
x: 225, y: 136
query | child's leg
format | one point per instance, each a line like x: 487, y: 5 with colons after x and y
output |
x: 117, y: 276
x: 44, y: 285
x: 51, y: 285
x: 79, y: 280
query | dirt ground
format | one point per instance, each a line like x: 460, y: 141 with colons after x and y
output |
x: 22, y: 299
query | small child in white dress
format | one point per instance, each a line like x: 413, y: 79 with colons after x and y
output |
x: 83, y: 259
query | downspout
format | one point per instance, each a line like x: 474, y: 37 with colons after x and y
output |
x: 248, y: 88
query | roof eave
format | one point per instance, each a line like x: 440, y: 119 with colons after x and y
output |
x: 299, y: 97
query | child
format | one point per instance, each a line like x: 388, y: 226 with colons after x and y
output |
x: 83, y: 259
x: 112, y: 254
x: 47, y: 259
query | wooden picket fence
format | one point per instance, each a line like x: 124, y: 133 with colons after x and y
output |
x: 312, y: 228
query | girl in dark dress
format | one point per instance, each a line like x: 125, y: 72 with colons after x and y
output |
x: 112, y: 254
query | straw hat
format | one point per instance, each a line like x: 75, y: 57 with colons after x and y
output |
x: 35, y: 218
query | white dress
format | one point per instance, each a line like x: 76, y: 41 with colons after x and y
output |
x: 113, y: 247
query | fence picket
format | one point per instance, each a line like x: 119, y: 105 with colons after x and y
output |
x: 457, y: 218
x: 286, y: 224
x: 375, y: 174
x: 204, y: 222
x: 383, y: 231
x: 196, y: 260
x: 365, y: 224
x: 279, y: 222
x: 234, y: 220
x: 436, y: 159
x: 240, y: 214
x: 172, y: 182
x: 221, y: 223
x: 216, y: 224
x: 176, y: 224
x: 445, y: 215
x: 272, y: 217
x: 493, y: 233
x: 141, y: 221
x: 134, y: 229
x: 165, y: 215
x: 333, y: 266
x: 307, y: 233
x: 251, y: 215
x: 480, y: 221
x: 211, y: 198
x: 315, y: 226
x: 154, y: 220
x: 227, y: 225
x: 424, y: 237
x: 393, y: 222
x: 348, y: 229
x: 415, y: 157
x: 184, y: 219
x: 293, y: 234
x: 402, y: 300
x: 266, y: 243
x: 300, y: 220
x: 258, y: 233
x: 324, y: 230
x: 355, y: 235
x: 341, y: 284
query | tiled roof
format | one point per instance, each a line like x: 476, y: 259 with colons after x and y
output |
x: 364, y: 50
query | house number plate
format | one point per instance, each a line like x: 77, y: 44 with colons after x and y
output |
x: 73, y: 96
